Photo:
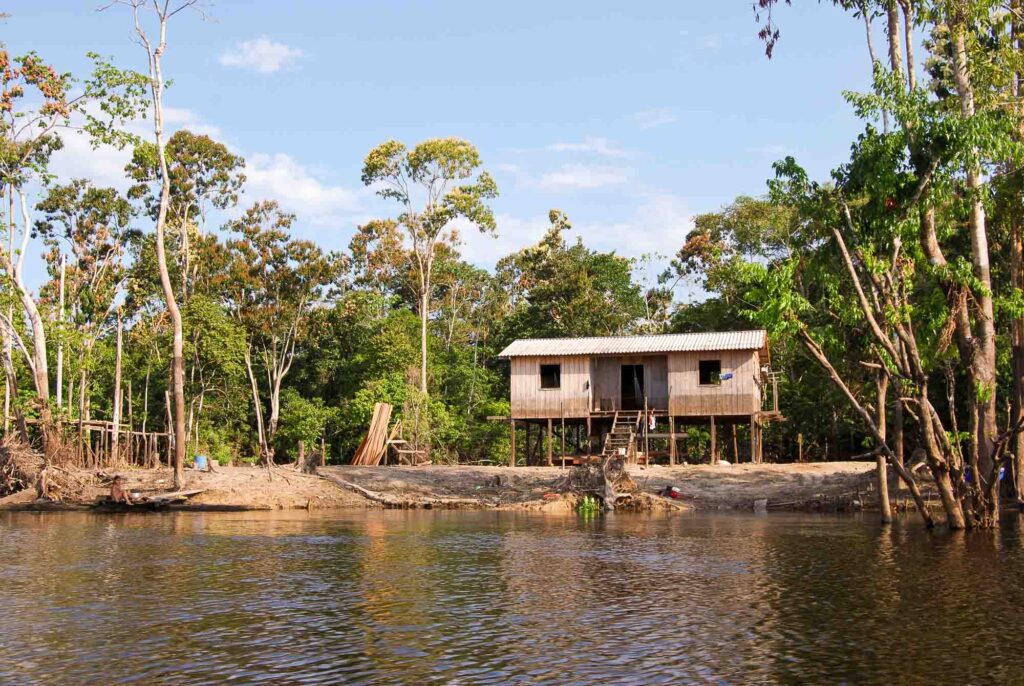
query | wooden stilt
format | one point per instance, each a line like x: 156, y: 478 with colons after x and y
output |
x: 735, y: 446
x: 550, y: 441
x: 512, y: 441
x: 590, y: 444
x: 753, y: 440
x: 714, y: 442
x: 563, y: 440
x: 672, y: 440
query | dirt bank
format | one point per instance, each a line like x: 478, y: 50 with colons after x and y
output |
x: 839, y: 485
x: 831, y: 485
x: 240, y: 488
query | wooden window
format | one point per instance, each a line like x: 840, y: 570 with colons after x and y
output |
x: 551, y: 376
x: 710, y: 372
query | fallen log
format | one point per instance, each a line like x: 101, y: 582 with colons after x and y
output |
x: 398, y: 503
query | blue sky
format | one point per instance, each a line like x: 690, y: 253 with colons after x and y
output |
x: 629, y: 117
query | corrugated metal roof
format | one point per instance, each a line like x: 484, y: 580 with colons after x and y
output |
x: 634, y: 345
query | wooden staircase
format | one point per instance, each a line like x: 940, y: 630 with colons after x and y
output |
x: 621, y: 440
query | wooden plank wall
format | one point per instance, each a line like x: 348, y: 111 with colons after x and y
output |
x: 607, y: 378
x: 739, y: 395
x: 530, y: 401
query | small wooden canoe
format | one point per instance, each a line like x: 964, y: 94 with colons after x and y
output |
x: 106, y: 505
x: 150, y: 503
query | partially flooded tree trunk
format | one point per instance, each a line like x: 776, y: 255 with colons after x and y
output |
x: 816, y: 352
x: 983, y: 364
x: 882, y: 470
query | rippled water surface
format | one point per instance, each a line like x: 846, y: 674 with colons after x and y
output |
x: 498, y: 598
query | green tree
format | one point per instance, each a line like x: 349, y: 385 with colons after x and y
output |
x: 436, y: 183
x: 558, y: 289
x: 270, y: 286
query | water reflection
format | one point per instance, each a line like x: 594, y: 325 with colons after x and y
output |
x: 447, y: 597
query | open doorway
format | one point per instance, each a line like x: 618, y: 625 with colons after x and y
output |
x: 632, y: 387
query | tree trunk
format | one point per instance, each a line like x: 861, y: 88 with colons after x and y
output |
x: 115, y: 437
x: 892, y: 16
x: 884, y: 505
x: 1017, y: 282
x: 261, y: 433
x: 177, y: 354
x: 816, y: 352
x: 60, y: 340
x: 424, y: 315
x: 275, y: 413
x: 983, y: 363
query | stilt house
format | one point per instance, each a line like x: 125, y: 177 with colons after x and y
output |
x: 619, y: 387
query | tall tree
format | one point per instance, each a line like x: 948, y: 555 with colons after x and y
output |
x: 156, y: 49
x: 436, y: 183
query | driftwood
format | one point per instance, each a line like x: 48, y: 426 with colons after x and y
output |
x: 395, y: 502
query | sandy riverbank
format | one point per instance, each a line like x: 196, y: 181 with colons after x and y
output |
x: 837, y: 485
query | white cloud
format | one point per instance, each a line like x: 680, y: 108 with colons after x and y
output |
x: 105, y: 165
x: 280, y: 177
x: 176, y: 118
x: 652, y: 118
x: 658, y: 226
x: 514, y: 234
x: 582, y: 177
x: 590, y: 144
x: 710, y: 41
x: 261, y: 55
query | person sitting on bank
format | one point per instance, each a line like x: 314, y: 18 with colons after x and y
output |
x: 117, y: 492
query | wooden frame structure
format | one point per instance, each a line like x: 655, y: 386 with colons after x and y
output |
x: 645, y: 388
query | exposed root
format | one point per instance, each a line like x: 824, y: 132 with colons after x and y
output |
x: 22, y: 467
x: 609, y: 482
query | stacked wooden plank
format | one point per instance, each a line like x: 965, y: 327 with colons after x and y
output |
x: 371, y: 449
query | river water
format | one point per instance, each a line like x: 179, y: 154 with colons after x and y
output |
x: 421, y: 597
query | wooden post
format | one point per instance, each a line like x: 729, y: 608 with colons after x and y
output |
x: 647, y: 443
x: 714, y: 442
x: 753, y: 440
x: 512, y: 441
x: 301, y: 460
x: 590, y: 444
x: 671, y: 440
x: 115, y: 435
x: 563, y: 439
x: 799, y: 447
x: 551, y: 440
x: 735, y: 446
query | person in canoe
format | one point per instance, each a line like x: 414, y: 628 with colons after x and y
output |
x: 117, y: 492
